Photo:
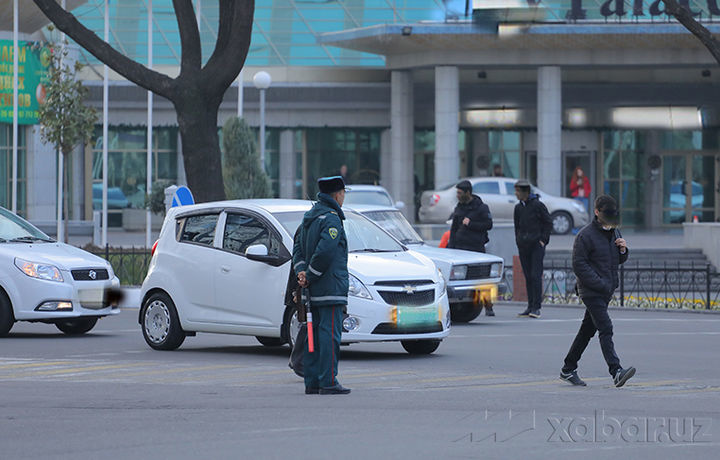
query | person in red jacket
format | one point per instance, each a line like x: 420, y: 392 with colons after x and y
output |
x: 580, y: 187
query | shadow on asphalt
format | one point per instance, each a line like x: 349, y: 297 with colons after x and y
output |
x: 348, y: 354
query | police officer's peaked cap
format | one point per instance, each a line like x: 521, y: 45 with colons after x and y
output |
x: 522, y: 183
x: 331, y: 184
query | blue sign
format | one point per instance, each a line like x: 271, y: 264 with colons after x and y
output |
x: 182, y: 197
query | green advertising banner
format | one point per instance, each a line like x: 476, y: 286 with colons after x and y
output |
x: 33, y: 60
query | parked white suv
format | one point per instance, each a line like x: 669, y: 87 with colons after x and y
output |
x: 42, y: 280
x: 223, y: 267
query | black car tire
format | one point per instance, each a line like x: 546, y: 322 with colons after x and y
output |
x: 420, y: 347
x: 562, y: 222
x: 270, y: 341
x: 160, y: 323
x: 464, y: 312
x: 76, y: 326
x: 7, y: 318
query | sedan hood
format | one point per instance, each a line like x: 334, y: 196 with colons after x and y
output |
x: 454, y: 256
x: 62, y: 255
x: 407, y: 265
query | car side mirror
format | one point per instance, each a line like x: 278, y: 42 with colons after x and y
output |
x: 257, y: 252
x: 399, y: 205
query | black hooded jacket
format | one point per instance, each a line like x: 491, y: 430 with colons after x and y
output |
x: 532, y: 223
x: 595, y: 261
x: 474, y: 236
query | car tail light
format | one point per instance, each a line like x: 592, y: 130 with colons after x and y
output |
x: 154, y: 247
x: 434, y: 199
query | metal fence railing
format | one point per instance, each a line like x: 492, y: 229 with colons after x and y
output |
x: 652, y: 286
x: 129, y: 264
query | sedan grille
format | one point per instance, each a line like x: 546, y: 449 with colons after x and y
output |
x: 408, y: 300
x: 94, y: 274
x: 478, y: 271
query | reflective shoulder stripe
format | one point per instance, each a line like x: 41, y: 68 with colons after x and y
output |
x: 313, y: 271
x: 327, y: 297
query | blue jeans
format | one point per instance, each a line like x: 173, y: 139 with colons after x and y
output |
x: 584, y: 200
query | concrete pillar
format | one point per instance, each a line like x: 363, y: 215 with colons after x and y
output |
x: 41, y: 177
x: 401, y: 140
x: 385, y: 159
x: 447, y: 107
x: 287, y: 164
x: 549, y: 125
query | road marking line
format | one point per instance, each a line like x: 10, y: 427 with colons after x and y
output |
x: 72, y: 370
x: 36, y: 364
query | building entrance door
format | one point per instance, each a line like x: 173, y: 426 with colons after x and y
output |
x: 585, y: 160
x: 691, y: 187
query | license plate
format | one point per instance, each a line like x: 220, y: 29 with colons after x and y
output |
x: 91, y: 296
x: 413, y: 316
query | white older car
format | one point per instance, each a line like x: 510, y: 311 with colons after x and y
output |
x: 472, y: 277
x: 42, y: 280
x: 223, y: 267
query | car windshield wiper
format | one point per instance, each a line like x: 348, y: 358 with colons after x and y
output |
x: 373, y: 250
x: 29, y: 239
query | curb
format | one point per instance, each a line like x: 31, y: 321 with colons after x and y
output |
x: 615, y: 308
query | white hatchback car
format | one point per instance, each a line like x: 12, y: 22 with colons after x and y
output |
x: 42, y: 280
x: 223, y: 267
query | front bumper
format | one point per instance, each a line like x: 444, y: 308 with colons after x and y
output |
x: 485, y: 293
x: 378, y: 322
x: 88, y: 298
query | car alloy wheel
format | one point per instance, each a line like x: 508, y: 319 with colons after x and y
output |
x: 293, y: 328
x: 157, y: 321
x: 561, y: 223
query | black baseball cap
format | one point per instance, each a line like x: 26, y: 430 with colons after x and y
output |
x: 608, y: 209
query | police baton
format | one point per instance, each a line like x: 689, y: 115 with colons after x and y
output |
x: 308, y: 312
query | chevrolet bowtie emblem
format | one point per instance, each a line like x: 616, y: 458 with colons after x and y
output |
x: 92, y: 274
x: 408, y: 289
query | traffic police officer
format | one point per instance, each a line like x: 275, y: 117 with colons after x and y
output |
x: 320, y: 258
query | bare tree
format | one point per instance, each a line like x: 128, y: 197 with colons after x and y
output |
x: 196, y: 92
x: 685, y: 17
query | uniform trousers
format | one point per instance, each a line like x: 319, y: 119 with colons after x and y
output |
x: 321, y: 366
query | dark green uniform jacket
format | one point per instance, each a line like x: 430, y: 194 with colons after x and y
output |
x: 321, y: 251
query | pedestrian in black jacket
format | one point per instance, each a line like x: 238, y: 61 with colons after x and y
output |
x: 598, y: 250
x: 532, y: 234
x: 471, y: 221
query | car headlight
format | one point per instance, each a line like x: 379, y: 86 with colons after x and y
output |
x: 458, y: 272
x: 357, y: 289
x: 40, y: 271
x: 443, y: 283
x: 495, y: 270
x: 578, y: 206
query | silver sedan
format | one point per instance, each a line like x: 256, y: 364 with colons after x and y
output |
x: 499, y: 194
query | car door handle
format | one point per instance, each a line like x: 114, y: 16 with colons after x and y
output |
x: 225, y: 269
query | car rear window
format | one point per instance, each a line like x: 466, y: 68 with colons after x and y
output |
x: 199, y: 229
x: 368, y: 197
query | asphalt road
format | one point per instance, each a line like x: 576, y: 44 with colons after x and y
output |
x: 490, y: 391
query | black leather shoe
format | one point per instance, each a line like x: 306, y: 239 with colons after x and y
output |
x: 335, y: 390
x: 489, y: 311
x: 524, y: 314
x: 311, y: 391
x: 534, y: 314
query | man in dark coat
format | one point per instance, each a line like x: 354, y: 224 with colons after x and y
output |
x: 471, y: 221
x: 597, y: 252
x: 532, y: 233
x: 320, y: 257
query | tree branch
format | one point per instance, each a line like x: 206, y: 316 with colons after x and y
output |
x: 685, y: 17
x: 191, y: 59
x: 230, y: 52
x: 133, y: 71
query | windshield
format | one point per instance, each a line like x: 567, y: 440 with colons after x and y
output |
x: 395, y: 224
x: 14, y: 228
x: 368, y: 197
x: 362, y: 234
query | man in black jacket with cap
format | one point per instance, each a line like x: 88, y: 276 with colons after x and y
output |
x: 598, y: 250
x: 532, y: 234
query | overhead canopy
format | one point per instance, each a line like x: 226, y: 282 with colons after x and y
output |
x: 31, y: 19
